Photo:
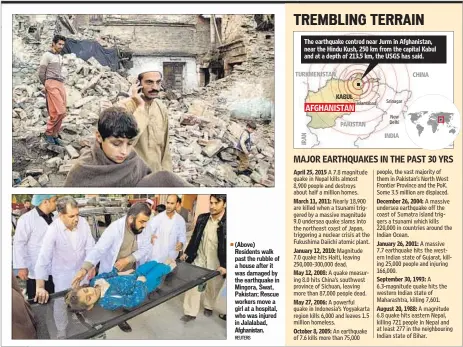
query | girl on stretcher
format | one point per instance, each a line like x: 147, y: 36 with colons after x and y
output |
x: 114, y: 290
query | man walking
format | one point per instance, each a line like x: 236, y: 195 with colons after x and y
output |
x: 152, y: 144
x: 50, y: 75
x: 207, y: 248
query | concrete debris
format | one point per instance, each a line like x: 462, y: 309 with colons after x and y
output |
x: 200, y: 108
x: 43, y: 180
x: 54, y: 162
x: 56, y: 149
x: 247, y: 179
x: 226, y: 173
x: 227, y: 156
x: 206, y: 181
x: 40, y: 103
x: 190, y: 120
x: 205, y: 124
x: 256, y: 177
x: 185, y: 150
x: 29, y: 181
x: 73, y: 95
x: 212, y: 147
x: 72, y: 152
x: 65, y: 168
x: 82, y: 102
x: 267, y: 183
x: 262, y: 168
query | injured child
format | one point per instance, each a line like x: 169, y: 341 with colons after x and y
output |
x: 115, y: 290
x: 112, y: 162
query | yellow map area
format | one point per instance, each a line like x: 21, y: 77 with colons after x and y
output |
x: 335, y: 90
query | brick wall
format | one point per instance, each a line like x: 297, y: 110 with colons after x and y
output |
x: 154, y: 18
x: 235, y: 26
x: 203, y: 34
x: 161, y: 34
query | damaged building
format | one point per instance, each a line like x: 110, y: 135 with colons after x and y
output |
x: 170, y: 44
x: 218, y: 72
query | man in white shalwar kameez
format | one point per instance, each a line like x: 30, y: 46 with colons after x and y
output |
x: 168, y: 231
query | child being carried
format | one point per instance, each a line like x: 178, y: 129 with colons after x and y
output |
x: 114, y: 290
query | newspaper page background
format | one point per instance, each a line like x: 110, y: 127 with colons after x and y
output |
x: 317, y: 313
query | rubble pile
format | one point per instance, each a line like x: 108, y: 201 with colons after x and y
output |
x: 87, y: 85
x: 218, y: 114
x: 203, y: 140
x: 42, y: 32
x: 203, y: 129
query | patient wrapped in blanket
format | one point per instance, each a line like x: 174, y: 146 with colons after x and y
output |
x: 115, y: 290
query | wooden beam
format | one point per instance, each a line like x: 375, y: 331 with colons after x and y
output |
x: 216, y: 30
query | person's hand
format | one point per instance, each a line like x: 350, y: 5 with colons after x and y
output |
x: 141, y: 278
x: 183, y: 257
x: 154, y: 237
x: 41, y: 296
x: 171, y: 262
x: 178, y: 246
x: 121, y: 263
x: 222, y: 270
x: 135, y: 93
x: 91, y: 273
x: 23, y: 274
x: 78, y: 277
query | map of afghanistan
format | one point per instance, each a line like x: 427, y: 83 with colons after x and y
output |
x: 378, y: 107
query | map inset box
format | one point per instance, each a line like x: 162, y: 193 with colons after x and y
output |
x: 344, y: 99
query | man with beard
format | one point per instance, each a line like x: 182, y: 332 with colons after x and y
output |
x: 51, y: 77
x: 123, y: 245
x: 152, y: 143
x: 207, y: 248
